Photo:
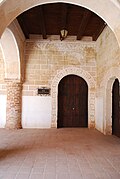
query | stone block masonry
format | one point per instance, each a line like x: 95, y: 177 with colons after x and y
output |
x: 14, y: 102
x: 44, y: 59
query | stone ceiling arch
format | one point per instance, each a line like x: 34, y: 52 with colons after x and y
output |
x: 10, y: 9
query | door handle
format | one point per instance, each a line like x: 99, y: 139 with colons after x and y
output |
x: 73, y: 108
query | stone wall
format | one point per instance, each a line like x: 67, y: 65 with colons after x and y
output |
x: 12, y: 69
x: 47, y: 62
x: 2, y: 92
x: 108, y: 69
x: 20, y: 39
x: 14, y: 105
x: 107, y: 54
x: 44, y: 58
x: 2, y: 74
x: 1, y: 66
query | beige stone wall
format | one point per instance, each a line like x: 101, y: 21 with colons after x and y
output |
x: 2, y: 73
x: 108, y: 69
x: 44, y: 58
x: 1, y: 67
x: 107, y: 54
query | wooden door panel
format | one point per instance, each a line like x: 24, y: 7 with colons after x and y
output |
x: 72, y: 102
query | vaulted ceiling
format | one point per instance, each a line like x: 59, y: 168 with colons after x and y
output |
x: 49, y: 19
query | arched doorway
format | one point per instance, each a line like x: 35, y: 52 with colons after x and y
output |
x: 116, y: 108
x: 72, y: 102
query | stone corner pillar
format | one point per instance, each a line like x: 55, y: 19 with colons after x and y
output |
x: 92, y: 125
x: 14, y: 104
x: 53, y: 124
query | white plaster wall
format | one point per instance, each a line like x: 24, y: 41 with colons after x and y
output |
x: 3, y: 99
x: 99, y: 114
x: 36, y: 112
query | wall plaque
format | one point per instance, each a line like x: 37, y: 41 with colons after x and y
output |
x: 44, y: 91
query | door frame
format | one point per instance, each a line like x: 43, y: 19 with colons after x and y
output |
x: 106, y: 91
x: 113, y: 106
x: 91, y: 93
x: 78, y: 81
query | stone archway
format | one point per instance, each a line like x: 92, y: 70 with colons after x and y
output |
x: 106, y: 86
x: 91, y: 93
x: 10, y: 9
x: 11, y: 57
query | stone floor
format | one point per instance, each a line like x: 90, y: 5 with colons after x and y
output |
x: 58, y: 154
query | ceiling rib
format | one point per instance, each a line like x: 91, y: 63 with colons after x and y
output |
x: 50, y: 19
x: 24, y: 26
x: 83, y: 24
x: 64, y: 17
x: 42, y: 23
x: 98, y: 32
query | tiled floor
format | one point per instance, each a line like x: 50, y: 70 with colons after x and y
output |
x: 58, y: 154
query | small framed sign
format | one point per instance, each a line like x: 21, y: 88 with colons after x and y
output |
x: 44, y: 91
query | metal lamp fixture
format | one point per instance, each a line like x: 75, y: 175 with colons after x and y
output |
x: 63, y: 34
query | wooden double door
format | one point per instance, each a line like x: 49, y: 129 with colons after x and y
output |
x: 116, y: 108
x: 72, y: 102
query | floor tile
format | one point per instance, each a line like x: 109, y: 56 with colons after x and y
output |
x: 69, y: 153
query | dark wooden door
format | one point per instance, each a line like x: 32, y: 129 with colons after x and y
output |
x: 72, y: 102
x: 116, y: 109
